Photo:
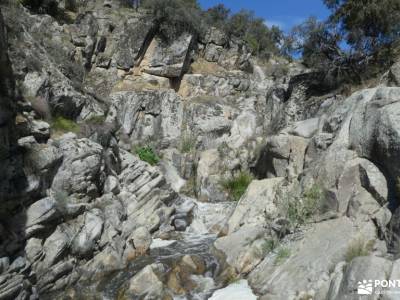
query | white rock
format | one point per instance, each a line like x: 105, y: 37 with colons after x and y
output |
x: 236, y: 291
x: 111, y: 185
x: 159, y: 243
x: 306, y: 128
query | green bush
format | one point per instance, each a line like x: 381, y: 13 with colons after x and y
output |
x: 262, y: 40
x: 354, y: 19
x: 300, y: 211
x: 217, y: 15
x: 188, y: 143
x: 269, y: 245
x: 313, y: 200
x: 237, y: 185
x: 175, y: 16
x: 65, y: 125
x: 281, y: 255
x: 147, y: 154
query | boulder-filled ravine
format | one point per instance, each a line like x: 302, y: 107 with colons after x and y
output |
x: 139, y: 166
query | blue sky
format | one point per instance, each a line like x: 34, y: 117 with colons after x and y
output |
x: 283, y: 13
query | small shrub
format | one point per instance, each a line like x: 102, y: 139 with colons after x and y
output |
x: 175, y: 17
x: 282, y: 254
x: 358, y: 248
x: 234, y: 280
x: 147, y: 154
x: 62, y: 124
x: 188, y: 143
x: 237, y: 185
x: 269, y: 246
x: 229, y: 276
x: 300, y: 211
x: 312, y: 200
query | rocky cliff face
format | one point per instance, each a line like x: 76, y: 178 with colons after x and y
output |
x: 79, y: 205
x: 10, y: 167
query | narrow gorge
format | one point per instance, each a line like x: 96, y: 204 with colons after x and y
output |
x: 135, y: 166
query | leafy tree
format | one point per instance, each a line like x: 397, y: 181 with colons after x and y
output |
x: 262, y: 40
x: 319, y: 44
x: 265, y: 40
x: 237, y: 25
x: 368, y: 25
x: 217, y: 15
x: 175, y: 16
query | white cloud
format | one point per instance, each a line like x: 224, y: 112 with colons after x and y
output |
x: 276, y: 23
x: 284, y: 22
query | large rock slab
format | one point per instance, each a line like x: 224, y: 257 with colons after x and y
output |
x: 209, y: 118
x: 375, y: 128
x: 362, y: 188
x: 256, y: 204
x: 148, y: 116
x: 133, y: 38
x: 244, y: 249
x: 310, y: 259
x: 41, y: 163
x: 208, y: 179
x: 85, y: 241
x: 362, y: 269
x: 227, y: 84
x: 40, y: 213
x: 306, y: 128
x: 392, y: 293
x: 80, y: 173
x: 283, y: 156
x: 147, y: 283
x: 168, y: 59
x: 145, y: 194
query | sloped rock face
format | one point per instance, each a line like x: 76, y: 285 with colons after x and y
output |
x: 361, y: 138
x: 374, y: 131
x: 8, y: 159
x: 69, y: 231
x: 305, y: 270
x: 282, y: 156
x: 168, y: 60
x: 81, y: 172
x: 257, y: 205
x: 361, y: 267
x: 134, y: 36
x: 149, y: 116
